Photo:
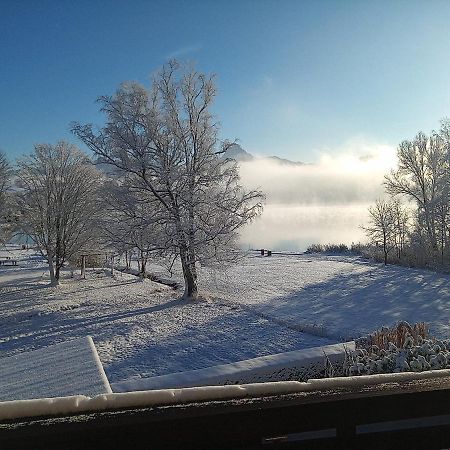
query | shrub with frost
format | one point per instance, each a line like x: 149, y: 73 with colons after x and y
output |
x: 403, y: 348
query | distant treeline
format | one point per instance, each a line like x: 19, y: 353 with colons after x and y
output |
x: 411, y: 225
x: 375, y: 252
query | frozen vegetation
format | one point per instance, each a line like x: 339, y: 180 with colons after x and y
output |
x: 260, y: 306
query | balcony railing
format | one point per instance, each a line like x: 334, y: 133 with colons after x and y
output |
x: 391, y: 414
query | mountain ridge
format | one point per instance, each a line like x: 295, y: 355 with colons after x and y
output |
x: 236, y: 152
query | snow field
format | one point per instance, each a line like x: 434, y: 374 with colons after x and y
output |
x: 140, y: 329
x: 338, y: 297
x: 259, y: 307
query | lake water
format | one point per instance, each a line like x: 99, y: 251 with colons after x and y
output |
x: 295, y: 227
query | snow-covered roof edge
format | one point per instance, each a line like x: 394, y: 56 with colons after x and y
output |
x: 67, y: 368
x: 99, y: 365
x: 240, y: 372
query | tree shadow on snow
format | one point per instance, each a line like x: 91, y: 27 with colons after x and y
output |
x: 34, y: 329
x: 349, y: 305
x: 234, y: 334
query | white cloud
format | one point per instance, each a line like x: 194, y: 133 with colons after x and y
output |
x: 183, y: 51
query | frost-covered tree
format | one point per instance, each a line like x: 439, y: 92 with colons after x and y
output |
x: 423, y: 176
x: 443, y: 207
x: 401, y: 219
x: 5, y: 174
x: 130, y: 225
x: 165, y: 141
x: 58, y: 202
x: 5, y: 199
x: 382, y: 226
x: 422, y: 230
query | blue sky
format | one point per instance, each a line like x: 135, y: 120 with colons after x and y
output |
x: 295, y: 78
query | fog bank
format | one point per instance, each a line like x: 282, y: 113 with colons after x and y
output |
x: 325, y: 202
x: 294, y: 227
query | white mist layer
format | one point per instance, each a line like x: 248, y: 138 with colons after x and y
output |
x: 288, y: 227
x: 322, y: 203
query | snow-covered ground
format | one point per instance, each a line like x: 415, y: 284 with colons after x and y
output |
x: 258, y: 307
x: 139, y: 328
x: 340, y: 297
x: 343, y: 296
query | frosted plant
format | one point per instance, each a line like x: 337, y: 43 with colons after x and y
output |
x: 428, y: 355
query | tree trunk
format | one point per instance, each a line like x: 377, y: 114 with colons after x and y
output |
x: 142, y: 263
x: 190, y: 276
x: 191, y: 254
x: 54, y: 281
x: 128, y: 259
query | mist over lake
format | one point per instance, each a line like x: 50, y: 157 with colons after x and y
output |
x: 324, y: 202
x: 295, y: 227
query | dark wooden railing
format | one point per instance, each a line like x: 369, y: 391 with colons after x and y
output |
x: 407, y: 415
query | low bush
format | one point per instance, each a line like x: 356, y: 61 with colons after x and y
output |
x: 356, y: 249
x: 315, y: 248
x: 336, y: 248
x: 402, y: 348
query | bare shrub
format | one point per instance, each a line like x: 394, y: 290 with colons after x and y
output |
x: 336, y: 248
x: 397, y: 334
x: 315, y: 248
